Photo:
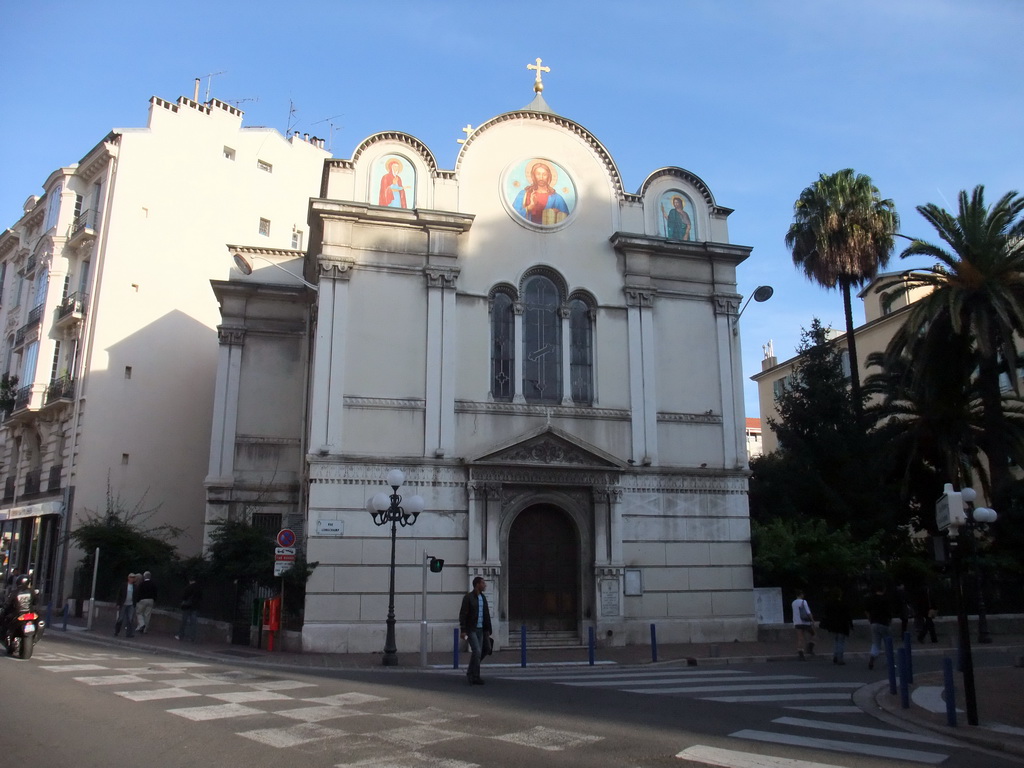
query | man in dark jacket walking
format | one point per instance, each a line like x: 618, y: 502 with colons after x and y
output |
x: 145, y: 598
x: 475, y: 626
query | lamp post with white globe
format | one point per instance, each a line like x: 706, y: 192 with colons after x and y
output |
x: 955, y: 512
x: 385, y: 508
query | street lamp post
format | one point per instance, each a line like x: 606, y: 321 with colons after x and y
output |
x: 956, y: 511
x: 385, y: 508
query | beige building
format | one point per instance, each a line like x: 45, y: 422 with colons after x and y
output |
x: 110, y: 325
x: 549, y: 358
x: 884, y: 311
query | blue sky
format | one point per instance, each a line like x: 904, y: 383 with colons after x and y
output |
x: 756, y: 98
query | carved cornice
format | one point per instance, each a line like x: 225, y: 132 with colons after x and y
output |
x: 386, y: 403
x: 726, y: 304
x: 719, y: 484
x: 413, y: 144
x: 336, y: 269
x: 530, y: 409
x: 639, y: 297
x: 690, y: 418
x: 230, y: 335
x: 557, y: 120
x: 441, y: 277
x: 536, y: 476
x: 373, y: 473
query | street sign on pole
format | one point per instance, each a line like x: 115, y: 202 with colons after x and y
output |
x: 286, y: 537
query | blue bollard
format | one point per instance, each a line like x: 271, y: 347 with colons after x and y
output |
x: 654, y: 644
x: 947, y: 679
x: 910, y: 657
x: 904, y: 662
x: 890, y: 665
x: 455, y: 648
x: 590, y: 644
x: 522, y: 645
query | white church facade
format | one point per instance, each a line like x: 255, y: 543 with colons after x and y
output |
x: 550, y: 359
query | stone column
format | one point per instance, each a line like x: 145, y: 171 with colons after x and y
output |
x: 225, y: 403
x: 730, y: 376
x: 439, y: 418
x: 643, y: 399
x: 517, y: 377
x: 563, y: 312
x: 326, y: 406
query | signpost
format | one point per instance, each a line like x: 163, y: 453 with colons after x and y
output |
x: 284, y: 552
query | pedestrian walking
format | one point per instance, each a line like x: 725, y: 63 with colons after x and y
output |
x: 878, y: 609
x: 125, y: 602
x: 837, y: 620
x: 144, y: 602
x: 190, y: 599
x: 803, y: 623
x: 475, y: 626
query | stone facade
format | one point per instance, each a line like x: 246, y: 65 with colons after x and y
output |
x: 552, y: 362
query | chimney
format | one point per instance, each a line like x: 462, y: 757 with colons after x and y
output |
x: 195, y: 96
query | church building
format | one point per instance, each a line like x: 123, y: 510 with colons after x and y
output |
x: 551, y: 360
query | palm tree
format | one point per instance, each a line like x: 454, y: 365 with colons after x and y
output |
x: 976, y: 300
x: 842, y: 233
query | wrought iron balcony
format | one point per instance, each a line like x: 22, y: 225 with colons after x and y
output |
x: 62, y: 388
x: 83, y: 228
x: 71, y: 309
x: 33, y: 321
x: 22, y: 398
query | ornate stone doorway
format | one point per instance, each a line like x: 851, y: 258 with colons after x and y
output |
x: 543, y: 570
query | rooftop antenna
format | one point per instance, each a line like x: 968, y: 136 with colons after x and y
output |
x: 209, y: 80
x: 330, y: 123
x: 240, y: 102
x: 291, y: 114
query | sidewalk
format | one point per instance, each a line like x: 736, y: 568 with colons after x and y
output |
x: 998, y: 689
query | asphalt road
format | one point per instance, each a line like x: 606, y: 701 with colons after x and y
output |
x: 83, y: 706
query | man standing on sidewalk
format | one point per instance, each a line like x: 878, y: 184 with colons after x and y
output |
x: 878, y: 609
x: 475, y: 626
x: 146, y: 594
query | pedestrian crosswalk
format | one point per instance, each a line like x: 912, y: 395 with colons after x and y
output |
x: 837, y: 725
x: 283, y: 713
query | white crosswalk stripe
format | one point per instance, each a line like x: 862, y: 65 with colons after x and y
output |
x: 844, y: 723
x: 304, y: 713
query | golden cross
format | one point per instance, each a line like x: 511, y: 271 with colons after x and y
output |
x: 467, y: 130
x: 538, y: 86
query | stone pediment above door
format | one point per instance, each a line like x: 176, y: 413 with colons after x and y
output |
x: 551, y: 448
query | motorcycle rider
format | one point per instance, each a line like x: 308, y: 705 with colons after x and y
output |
x: 19, y: 600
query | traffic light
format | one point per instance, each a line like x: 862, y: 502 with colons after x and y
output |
x: 436, y: 564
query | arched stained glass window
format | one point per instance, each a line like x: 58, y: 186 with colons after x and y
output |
x: 542, y: 341
x: 502, y: 347
x: 581, y: 353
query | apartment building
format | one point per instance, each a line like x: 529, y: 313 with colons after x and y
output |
x: 111, y: 329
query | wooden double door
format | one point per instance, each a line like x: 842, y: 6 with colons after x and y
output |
x: 543, y: 570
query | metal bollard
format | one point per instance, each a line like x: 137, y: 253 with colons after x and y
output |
x: 904, y: 662
x: 654, y: 644
x: 65, y: 617
x: 910, y: 658
x: 455, y: 648
x: 522, y: 645
x: 947, y: 679
x: 590, y: 644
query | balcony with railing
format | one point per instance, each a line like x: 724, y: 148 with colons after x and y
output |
x: 83, y: 228
x: 34, y: 317
x: 22, y: 398
x: 62, y: 388
x: 71, y: 310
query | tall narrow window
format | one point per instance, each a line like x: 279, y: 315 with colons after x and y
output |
x: 502, y: 347
x: 581, y: 353
x: 542, y: 341
x: 53, y: 206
